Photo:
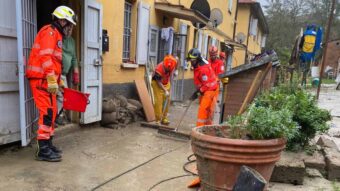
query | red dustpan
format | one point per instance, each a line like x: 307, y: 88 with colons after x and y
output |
x: 75, y: 100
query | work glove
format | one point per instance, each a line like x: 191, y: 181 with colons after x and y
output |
x: 61, y: 83
x: 75, y: 78
x: 195, y: 95
x: 52, y: 84
x: 225, y: 80
x: 167, y: 93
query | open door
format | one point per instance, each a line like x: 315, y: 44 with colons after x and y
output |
x: 179, y: 49
x: 153, y: 44
x: 9, y: 88
x: 26, y: 23
x: 91, y: 64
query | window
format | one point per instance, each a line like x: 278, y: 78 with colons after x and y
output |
x: 127, y: 31
x: 263, y: 41
x: 253, y: 26
x: 259, y: 36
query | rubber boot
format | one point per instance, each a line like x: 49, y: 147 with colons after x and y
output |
x: 195, y: 183
x: 165, y: 121
x: 45, y: 153
x: 54, y: 148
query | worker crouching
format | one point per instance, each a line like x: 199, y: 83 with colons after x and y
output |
x: 161, y: 86
x: 205, y: 81
x: 43, y: 72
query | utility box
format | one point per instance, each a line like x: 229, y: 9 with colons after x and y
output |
x: 106, y: 41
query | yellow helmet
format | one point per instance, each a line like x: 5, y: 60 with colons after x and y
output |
x: 63, y: 12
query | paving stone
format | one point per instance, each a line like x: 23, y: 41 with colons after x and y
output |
x: 316, y: 161
x: 326, y: 141
x: 313, y: 173
x: 333, y: 163
x: 290, y: 169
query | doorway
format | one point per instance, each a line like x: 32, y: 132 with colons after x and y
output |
x: 44, y: 17
x: 88, y: 38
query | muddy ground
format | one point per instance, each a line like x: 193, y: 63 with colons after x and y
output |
x: 94, y: 155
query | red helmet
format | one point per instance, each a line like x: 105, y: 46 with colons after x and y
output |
x: 170, y: 62
x: 222, y: 55
x: 213, y: 51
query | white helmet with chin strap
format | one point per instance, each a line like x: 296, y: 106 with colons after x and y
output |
x: 63, y: 12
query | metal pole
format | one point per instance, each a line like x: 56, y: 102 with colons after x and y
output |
x: 330, y: 21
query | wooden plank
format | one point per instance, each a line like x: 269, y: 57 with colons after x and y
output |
x: 146, y: 100
x: 258, y: 81
x: 252, y: 89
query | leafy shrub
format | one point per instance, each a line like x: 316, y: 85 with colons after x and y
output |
x: 266, y: 123
x: 262, y: 123
x: 237, y: 129
x: 302, y: 106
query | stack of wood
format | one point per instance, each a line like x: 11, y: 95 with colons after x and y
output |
x: 118, y: 111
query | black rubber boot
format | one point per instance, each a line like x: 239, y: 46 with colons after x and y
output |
x: 45, y: 153
x: 54, y: 148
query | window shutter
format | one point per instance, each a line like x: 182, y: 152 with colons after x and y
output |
x: 263, y: 43
x: 253, y: 26
x: 143, y: 33
x: 230, y: 6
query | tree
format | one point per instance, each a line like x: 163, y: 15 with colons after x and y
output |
x: 286, y: 18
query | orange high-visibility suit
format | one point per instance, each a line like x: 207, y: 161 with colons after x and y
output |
x: 218, y: 66
x: 45, y: 60
x: 206, y: 83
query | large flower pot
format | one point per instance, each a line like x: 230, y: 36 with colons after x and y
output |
x: 219, y: 159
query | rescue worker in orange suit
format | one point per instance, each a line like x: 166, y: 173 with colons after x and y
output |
x: 161, y: 88
x: 43, y: 72
x: 217, y: 65
x: 223, y: 57
x: 206, y: 84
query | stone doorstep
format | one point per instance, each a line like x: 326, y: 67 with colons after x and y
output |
x: 67, y: 129
x: 289, y: 169
x: 333, y: 163
x: 313, y: 173
x: 316, y: 161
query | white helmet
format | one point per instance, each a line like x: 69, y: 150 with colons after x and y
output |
x: 63, y: 12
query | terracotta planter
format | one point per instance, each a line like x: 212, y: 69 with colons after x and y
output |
x: 219, y: 159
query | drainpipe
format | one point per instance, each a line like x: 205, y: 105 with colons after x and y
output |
x: 21, y: 73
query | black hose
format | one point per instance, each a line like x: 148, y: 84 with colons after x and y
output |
x: 160, y: 182
x: 134, y: 168
x: 175, y: 177
x: 189, y: 162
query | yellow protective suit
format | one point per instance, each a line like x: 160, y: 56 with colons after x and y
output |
x: 160, y: 98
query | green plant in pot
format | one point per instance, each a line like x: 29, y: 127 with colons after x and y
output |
x: 255, y: 139
x: 304, y: 110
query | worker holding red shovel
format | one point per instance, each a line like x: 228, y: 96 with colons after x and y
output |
x: 161, y: 88
x: 70, y: 65
x: 43, y: 72
x: 206, y: 84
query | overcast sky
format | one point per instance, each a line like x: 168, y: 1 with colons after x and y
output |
x: 263, y: 2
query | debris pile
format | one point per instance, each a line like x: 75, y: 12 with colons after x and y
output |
x: 118, y: 111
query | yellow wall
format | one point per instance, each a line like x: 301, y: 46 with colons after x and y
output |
x: 243, y: 19
x: 253, y: 43
x: 113, y: 21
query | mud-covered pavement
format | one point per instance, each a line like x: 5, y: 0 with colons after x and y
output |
x: 94, y: 155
